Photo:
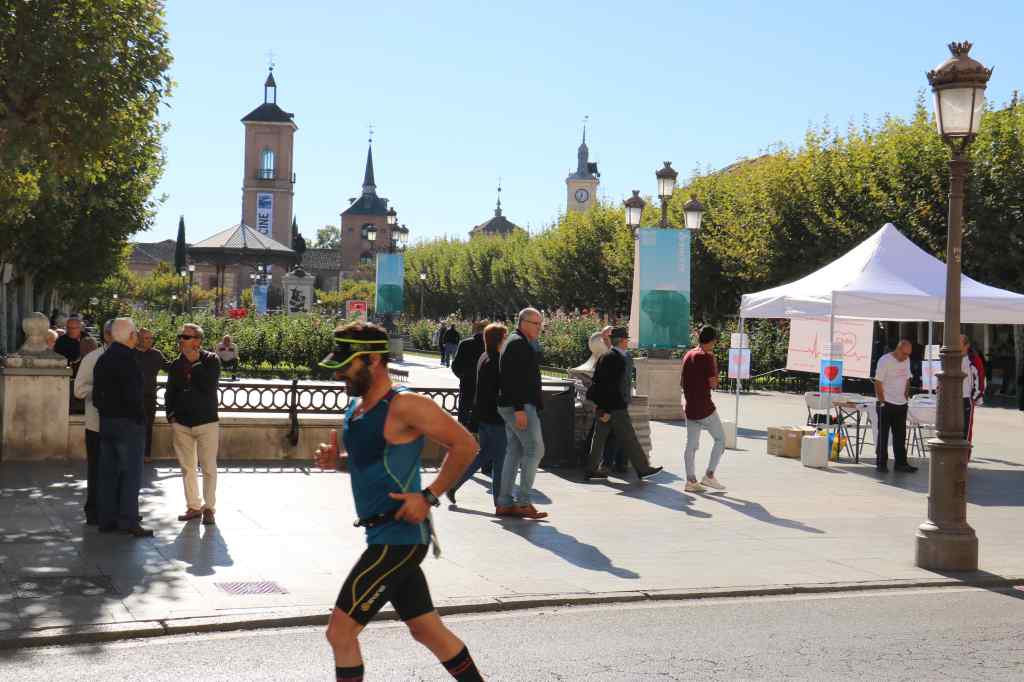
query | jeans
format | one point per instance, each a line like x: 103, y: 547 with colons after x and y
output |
x: 122, y: 442
x: 894, y: 418
x: 523, y: 454
x: 448, y: 352
x: 622, y: 426
x: 693, y: 428
x: 493, y: 443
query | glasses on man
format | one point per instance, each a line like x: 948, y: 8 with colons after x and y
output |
x: 186, y: 337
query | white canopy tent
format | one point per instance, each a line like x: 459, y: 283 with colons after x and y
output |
x: 887, y: 278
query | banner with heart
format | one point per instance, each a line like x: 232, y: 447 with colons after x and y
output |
x: 831, y: 377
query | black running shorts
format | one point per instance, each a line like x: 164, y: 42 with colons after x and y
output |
x: 386, y: 573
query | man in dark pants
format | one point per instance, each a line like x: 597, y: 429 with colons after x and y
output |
x: 150, y: 362
x: 449, y: 343
x: 611, y: 391
x: 117, y: 393
x: 892, y: 378
x: 464, y: 367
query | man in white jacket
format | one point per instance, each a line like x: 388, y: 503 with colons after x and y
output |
x: 83, y: 391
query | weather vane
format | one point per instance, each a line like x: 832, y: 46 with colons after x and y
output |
x: 270, y: 59
x: 370, y: 128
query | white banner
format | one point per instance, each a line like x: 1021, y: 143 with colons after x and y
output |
x: 809, y: 345
x: 265, y: 213
x: 739, y: 363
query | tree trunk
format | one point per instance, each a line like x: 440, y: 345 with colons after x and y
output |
x: 1018, y: 355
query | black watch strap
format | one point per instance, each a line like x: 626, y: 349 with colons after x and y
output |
x: 430, y: 497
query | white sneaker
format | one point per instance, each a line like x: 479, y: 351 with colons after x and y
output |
x: 712, y: 482
x: 693, y: 487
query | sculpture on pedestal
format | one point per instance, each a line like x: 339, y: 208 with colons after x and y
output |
x: 34, y: 352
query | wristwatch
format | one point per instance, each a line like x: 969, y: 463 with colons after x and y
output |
x: 430, y: 497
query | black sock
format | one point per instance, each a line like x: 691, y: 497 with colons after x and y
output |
x: 354, y: 674
x: 462, y: 667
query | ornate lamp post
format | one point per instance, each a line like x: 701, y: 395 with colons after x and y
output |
x: 191, y: 277
x: 423, y: 286
x: 945, y: 541
x: 634, y: 210
x: 693, y: 213
x: 666, y: 185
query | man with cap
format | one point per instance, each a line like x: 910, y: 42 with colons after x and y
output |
x: 612, y: 390
x: 383, y: 432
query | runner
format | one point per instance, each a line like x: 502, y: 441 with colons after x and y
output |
x: 383, y: 435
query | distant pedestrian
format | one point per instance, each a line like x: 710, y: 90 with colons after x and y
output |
x: 227, y: 353
x: 464, y: 367
x: 151, y: 362
x: 68, y: 344
x: 117, y: 394
x: 611, y: 391
x: 520, y: 400
x: 892, y: 381
x: 451, y: 343
x: 83, y: 391
x: 490, y: 426
x: 435, y: 338
x: 973, y: 368
x: 191, y: 403
x: 698, y: 378
x: 606, y: 336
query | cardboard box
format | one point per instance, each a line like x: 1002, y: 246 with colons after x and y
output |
x: 785, y: 441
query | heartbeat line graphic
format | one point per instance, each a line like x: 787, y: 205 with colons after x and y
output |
x: 817, y: 352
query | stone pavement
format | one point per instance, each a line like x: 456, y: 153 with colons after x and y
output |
x: 779, y: 524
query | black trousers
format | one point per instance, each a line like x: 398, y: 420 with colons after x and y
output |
x: 92, y: 459
x: 150, y: 418
x: 891, y: 418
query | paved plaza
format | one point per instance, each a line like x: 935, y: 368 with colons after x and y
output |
x: 286, y: 523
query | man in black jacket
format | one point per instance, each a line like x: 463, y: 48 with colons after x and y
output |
x: 117, y: 394
x: 464, y: 367
x: 611, y: 391
x: 519, y: 404
x: 449, y: 343
x: 192, y: 400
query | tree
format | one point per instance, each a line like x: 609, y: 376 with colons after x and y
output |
x: 328, y: 237
x: 80, y: 85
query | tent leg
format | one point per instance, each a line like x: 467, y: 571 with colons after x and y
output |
x: 738, y: 379
x: 831, y: 344
x: 931, y: 326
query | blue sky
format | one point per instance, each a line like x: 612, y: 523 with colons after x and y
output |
x: 462, y: 93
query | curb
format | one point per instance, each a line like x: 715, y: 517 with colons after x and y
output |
x: 300, y: 617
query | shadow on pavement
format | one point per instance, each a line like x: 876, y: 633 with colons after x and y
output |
x: 753, y: 434
x: 661, y: 495
x: 203, y: 548
x: 986, y: 580
x: 565, y: 546
x: 757, y: 511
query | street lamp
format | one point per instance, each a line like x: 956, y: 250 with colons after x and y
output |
x: 634, y: 210
x: 693, y: 213
x: 402, y: 234
x: 423, y: 285
x: 191, y: 275
x: 392, y: 218
x: 945, y: 541
x: 666, y: 185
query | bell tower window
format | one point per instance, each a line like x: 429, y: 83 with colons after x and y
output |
x: 266, y: 171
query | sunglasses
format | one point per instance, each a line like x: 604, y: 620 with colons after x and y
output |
x: 186, y: 337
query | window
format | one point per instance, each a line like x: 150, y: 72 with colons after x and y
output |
x: 266, y: 165
x: 369, y: 232
x: 366, y: 259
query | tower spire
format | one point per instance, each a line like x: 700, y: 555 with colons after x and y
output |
x: 497, y: 209
x: 369, y: 186
x: 583, y: 153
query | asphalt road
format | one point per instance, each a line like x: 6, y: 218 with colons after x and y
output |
x: 946, y: 633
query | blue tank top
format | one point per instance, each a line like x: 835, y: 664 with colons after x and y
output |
x: 378, y: 468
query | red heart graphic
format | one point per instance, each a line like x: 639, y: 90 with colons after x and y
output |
x: 831, y: 372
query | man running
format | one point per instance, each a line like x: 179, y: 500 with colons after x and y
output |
x: 383, y: 433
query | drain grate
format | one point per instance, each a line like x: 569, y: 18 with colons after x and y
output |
x: 63, y: 586
x: 259, y: 587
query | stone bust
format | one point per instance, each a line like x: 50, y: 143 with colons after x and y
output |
x: 34, y: 352
x: 584, y: 374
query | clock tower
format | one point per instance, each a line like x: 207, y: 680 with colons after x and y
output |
x: 582, y: 185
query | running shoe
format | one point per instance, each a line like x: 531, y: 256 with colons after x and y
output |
x: 653, y: 471
x: 693, y: 487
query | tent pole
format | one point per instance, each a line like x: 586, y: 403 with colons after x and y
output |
x: 831, y: 343
x: 738, y: 379
x: 931, y: 384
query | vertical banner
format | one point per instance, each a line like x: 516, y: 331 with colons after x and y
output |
x: 660, y: 311
x: 808, y: 345
x: 355, y: 310
x: 831, y: 378
x: 265, y: 213
x: 390, y: 283
x: 259, y: 298
x: 739, y: 363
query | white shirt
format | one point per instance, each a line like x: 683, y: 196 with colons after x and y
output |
x: 893, y: 375
x: 83, y: 388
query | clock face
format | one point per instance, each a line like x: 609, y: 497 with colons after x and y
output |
x: 582, y: 195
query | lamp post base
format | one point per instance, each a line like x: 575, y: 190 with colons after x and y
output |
x: 946, y: 550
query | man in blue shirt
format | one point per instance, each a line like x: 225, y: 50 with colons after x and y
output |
x: 384, y: 430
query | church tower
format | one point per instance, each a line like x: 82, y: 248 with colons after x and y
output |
x: 582, y: 185
x: 268, y: 182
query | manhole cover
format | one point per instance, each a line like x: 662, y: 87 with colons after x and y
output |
x: 262, y: 587
x: 63, y: 586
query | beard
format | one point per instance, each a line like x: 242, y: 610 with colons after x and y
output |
x: 358, y: 385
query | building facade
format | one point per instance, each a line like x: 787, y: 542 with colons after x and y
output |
x: 581, y: 186
x: 366, y: 228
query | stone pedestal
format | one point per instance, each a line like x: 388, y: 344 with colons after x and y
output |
x: 298, y: 291
x: 35, y: 393
x: 658, y: 379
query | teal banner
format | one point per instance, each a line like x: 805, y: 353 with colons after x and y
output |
x: 662, y: 288
x: 390, y: 283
